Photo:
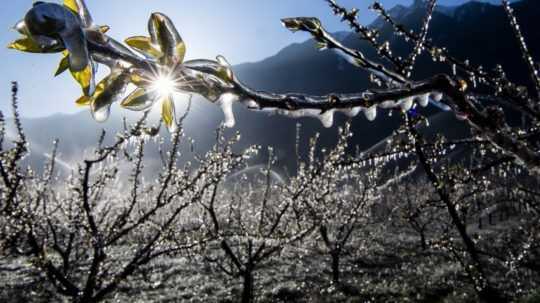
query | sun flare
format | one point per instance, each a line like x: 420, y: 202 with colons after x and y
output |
x: 164, y: 85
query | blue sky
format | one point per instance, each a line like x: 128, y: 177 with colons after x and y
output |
x: 241, y: 30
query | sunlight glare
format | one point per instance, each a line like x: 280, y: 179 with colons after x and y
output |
x: 164, y: 85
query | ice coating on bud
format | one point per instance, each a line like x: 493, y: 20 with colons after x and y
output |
x: 221, y: 60
x: 422, y: 100
x: 21, y: 28
x: 226, y: 72
x: 140, y: 99
x: 406, y: 103
x: 327, y: 118
x: 226, y: 102
x: 52, y: 20
x: 164, y: 33
x: 82, y: 11
x: 370, y: 113
x: 309, y: 24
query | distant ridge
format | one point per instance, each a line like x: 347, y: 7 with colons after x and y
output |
x: 475, y: 31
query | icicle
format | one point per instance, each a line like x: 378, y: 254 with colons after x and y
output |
x: 352, y: 112
x: 422, y: 100
x: 370, y: 113
x: 406, y: 103
x: 226, y: 102
x: 327, y: 118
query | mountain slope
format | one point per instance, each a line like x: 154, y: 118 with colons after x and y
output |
x: 475, y: 31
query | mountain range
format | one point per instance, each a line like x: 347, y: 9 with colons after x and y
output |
x: 476, y: 31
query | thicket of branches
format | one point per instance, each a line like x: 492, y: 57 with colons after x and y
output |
x: 404, y: 223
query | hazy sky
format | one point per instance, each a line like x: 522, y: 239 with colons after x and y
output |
x: 241, y: 30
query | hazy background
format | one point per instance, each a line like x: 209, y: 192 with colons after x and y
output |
x: 241, y: 30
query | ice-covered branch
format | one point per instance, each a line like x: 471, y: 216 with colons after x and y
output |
x: 511, y: 94
x: 419, y: 45
x: 158, y: 70
x: 326, y: 40
x: 367, y: 34
x: 535, y: 77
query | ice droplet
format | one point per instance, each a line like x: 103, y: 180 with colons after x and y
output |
x: 406, y: 103
x: 370, y: 113
x: 422, y: 100
x: 226, y: 102
x: 102, y: 114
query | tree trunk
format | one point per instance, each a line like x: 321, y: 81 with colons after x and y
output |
x: 248, y: 288
x: 335, y: 268
x: 487, y: 293
x: 423, y: 241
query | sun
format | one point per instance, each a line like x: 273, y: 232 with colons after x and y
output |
x: 164, y: 85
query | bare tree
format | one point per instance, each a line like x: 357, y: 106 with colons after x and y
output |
x: 251, y: 223
x: 88, y: 237
x: 335, y: 198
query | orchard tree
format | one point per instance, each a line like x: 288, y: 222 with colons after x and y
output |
x: 251, y: 224
x: 87, y: 236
